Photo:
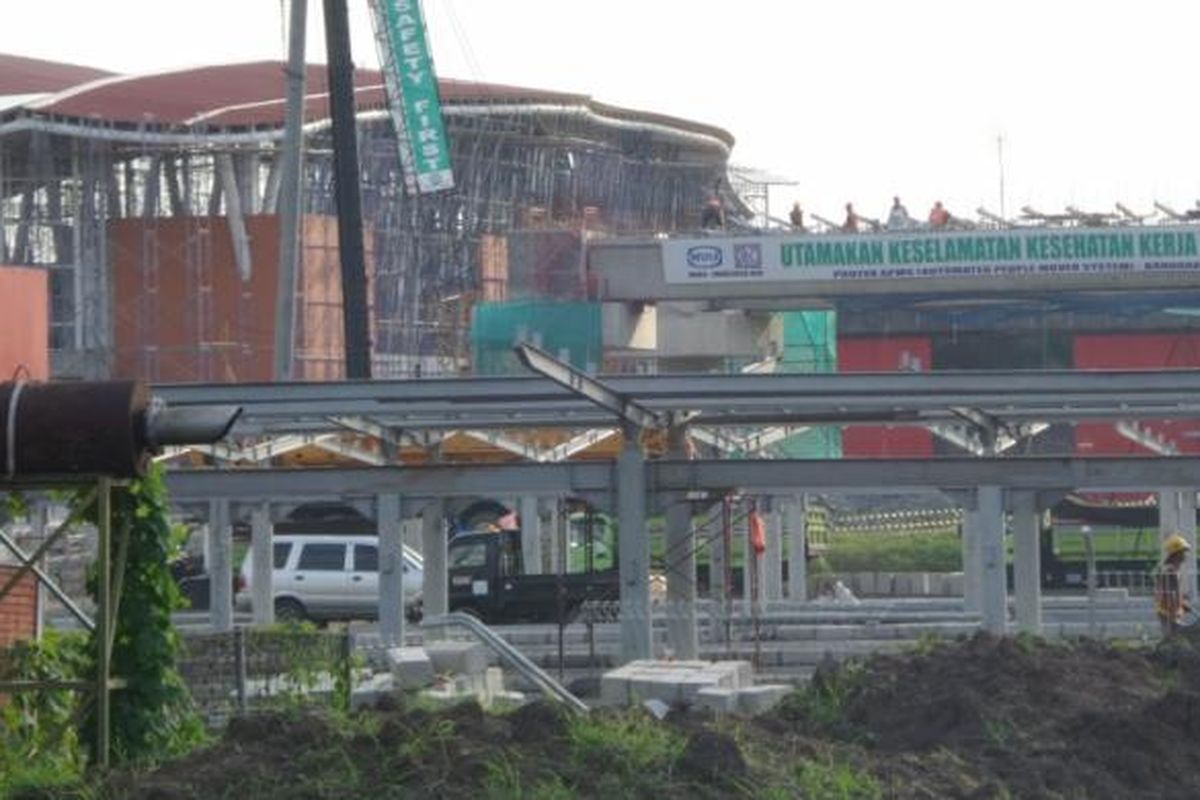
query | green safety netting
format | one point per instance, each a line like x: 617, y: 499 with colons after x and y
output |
x: 810, y: 345
x: 563, y: 329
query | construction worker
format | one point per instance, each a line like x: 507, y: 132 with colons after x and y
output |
x: 714, y: 210
x: 939, y: 217
x: 796, y: 217
x: 898, y: 219
x: 851, y: 223
x: 1170, y: 601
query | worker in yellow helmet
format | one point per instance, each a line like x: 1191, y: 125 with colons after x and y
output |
x: 1170, y: 602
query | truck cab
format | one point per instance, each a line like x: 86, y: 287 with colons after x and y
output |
x: 487, y: 578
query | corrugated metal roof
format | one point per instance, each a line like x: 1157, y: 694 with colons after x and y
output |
x: 251, y: 95
x: 20, y: 75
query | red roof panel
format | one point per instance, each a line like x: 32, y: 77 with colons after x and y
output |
x: 20, y: 75
x: 251, y: 95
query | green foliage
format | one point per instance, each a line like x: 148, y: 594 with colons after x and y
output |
x: 928, y: 643
x: 15, y: 506
x: 39, y: 742
x: 311, y: 658
x: 836, y: 780
x: 1110, y: 543
x: 153, y: 716
x: 918, y: 552
x: 502, y: 779
x: 823, y: 703
x: 626, y: 747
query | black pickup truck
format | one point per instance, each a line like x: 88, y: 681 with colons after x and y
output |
x: 487, y: 579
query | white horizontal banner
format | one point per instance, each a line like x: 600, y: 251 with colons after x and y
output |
x: 926, y: 255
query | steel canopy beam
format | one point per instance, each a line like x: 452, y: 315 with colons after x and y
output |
x: 1107, y: 385
x: 778, y: 476
x: 594, y: 391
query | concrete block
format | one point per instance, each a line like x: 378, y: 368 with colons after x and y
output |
x: 442, y: 696
x: 614, y: 688
x: 410, y: 666
x: 509, y: 698
x: 754, y: 700
x: 735, y: 674
x: 368, y: 694
x: 459, y: 658
x: 493, y: 681
x: 653, y: 687
x: 718, y: 699
x: 692, y: 685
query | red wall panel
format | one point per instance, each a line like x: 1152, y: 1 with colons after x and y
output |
x: 1136, y: 351
x: 183, y: 313
x: 883, y: 354
x: 18, y: 609
x: 24, y: 322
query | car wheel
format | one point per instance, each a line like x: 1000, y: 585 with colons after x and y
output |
x: 289, y: 610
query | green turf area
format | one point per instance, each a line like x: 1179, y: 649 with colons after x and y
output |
x: 892, y: 552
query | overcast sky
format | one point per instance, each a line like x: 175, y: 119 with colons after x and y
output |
x: 1096, y: 101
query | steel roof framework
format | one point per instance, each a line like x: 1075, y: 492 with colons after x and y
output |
x: 1006, y: 406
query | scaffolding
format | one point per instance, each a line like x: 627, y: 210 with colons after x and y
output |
x: 528, y: 164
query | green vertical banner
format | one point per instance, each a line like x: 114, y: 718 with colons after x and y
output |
x: 413, y: 99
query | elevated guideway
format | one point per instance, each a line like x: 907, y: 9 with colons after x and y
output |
x: 794, y: 269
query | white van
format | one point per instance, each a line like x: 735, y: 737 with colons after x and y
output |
x: 328, y: 576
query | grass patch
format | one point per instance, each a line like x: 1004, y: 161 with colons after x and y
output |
x: 628, y: 749
x: 917, y: 552
x: 836, y: 780
x: 820, y: 707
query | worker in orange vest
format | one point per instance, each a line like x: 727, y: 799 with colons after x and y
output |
x: 1170, y: 602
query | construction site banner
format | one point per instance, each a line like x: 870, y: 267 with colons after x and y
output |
x: 413, y: 99
x: 928, y: 255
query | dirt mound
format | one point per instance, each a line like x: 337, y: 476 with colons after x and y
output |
x: 988, y: 689
x: 1039, y: 719
x: 712, y: 756
x: 978, y: 718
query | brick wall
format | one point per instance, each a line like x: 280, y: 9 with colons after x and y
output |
x: 18, y: 610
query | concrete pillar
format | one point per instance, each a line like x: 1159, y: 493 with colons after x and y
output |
x: 435, y: 592
x: 262, y: 579
x: 391, y: 569
x: 972, y: 558
x: 554, y: 533
x: 797, y: 528
x: 220, y: 568
x: 993, y: 588
x: 1177, y: 514
x: 1027, y: 561
x: 773, y: 557
x: 718, y: 557
x: 634, y: 546
x: 681, y: 580
x: 531, y: 534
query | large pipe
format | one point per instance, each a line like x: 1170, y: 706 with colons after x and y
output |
x: 95, y: 428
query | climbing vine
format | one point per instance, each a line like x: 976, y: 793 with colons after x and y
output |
x: 152, y: 716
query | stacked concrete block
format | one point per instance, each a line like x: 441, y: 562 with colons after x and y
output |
x: 671, y: 682
x: 411, y: 667
x: 754, y: 700
x: 718, y: 699
x: 460, y: 658
x: 461, y: 670
x: 725, y: 687
x: 369, y: 693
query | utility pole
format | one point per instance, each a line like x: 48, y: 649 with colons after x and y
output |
x: 290, y: 184
x: 346, y: 191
